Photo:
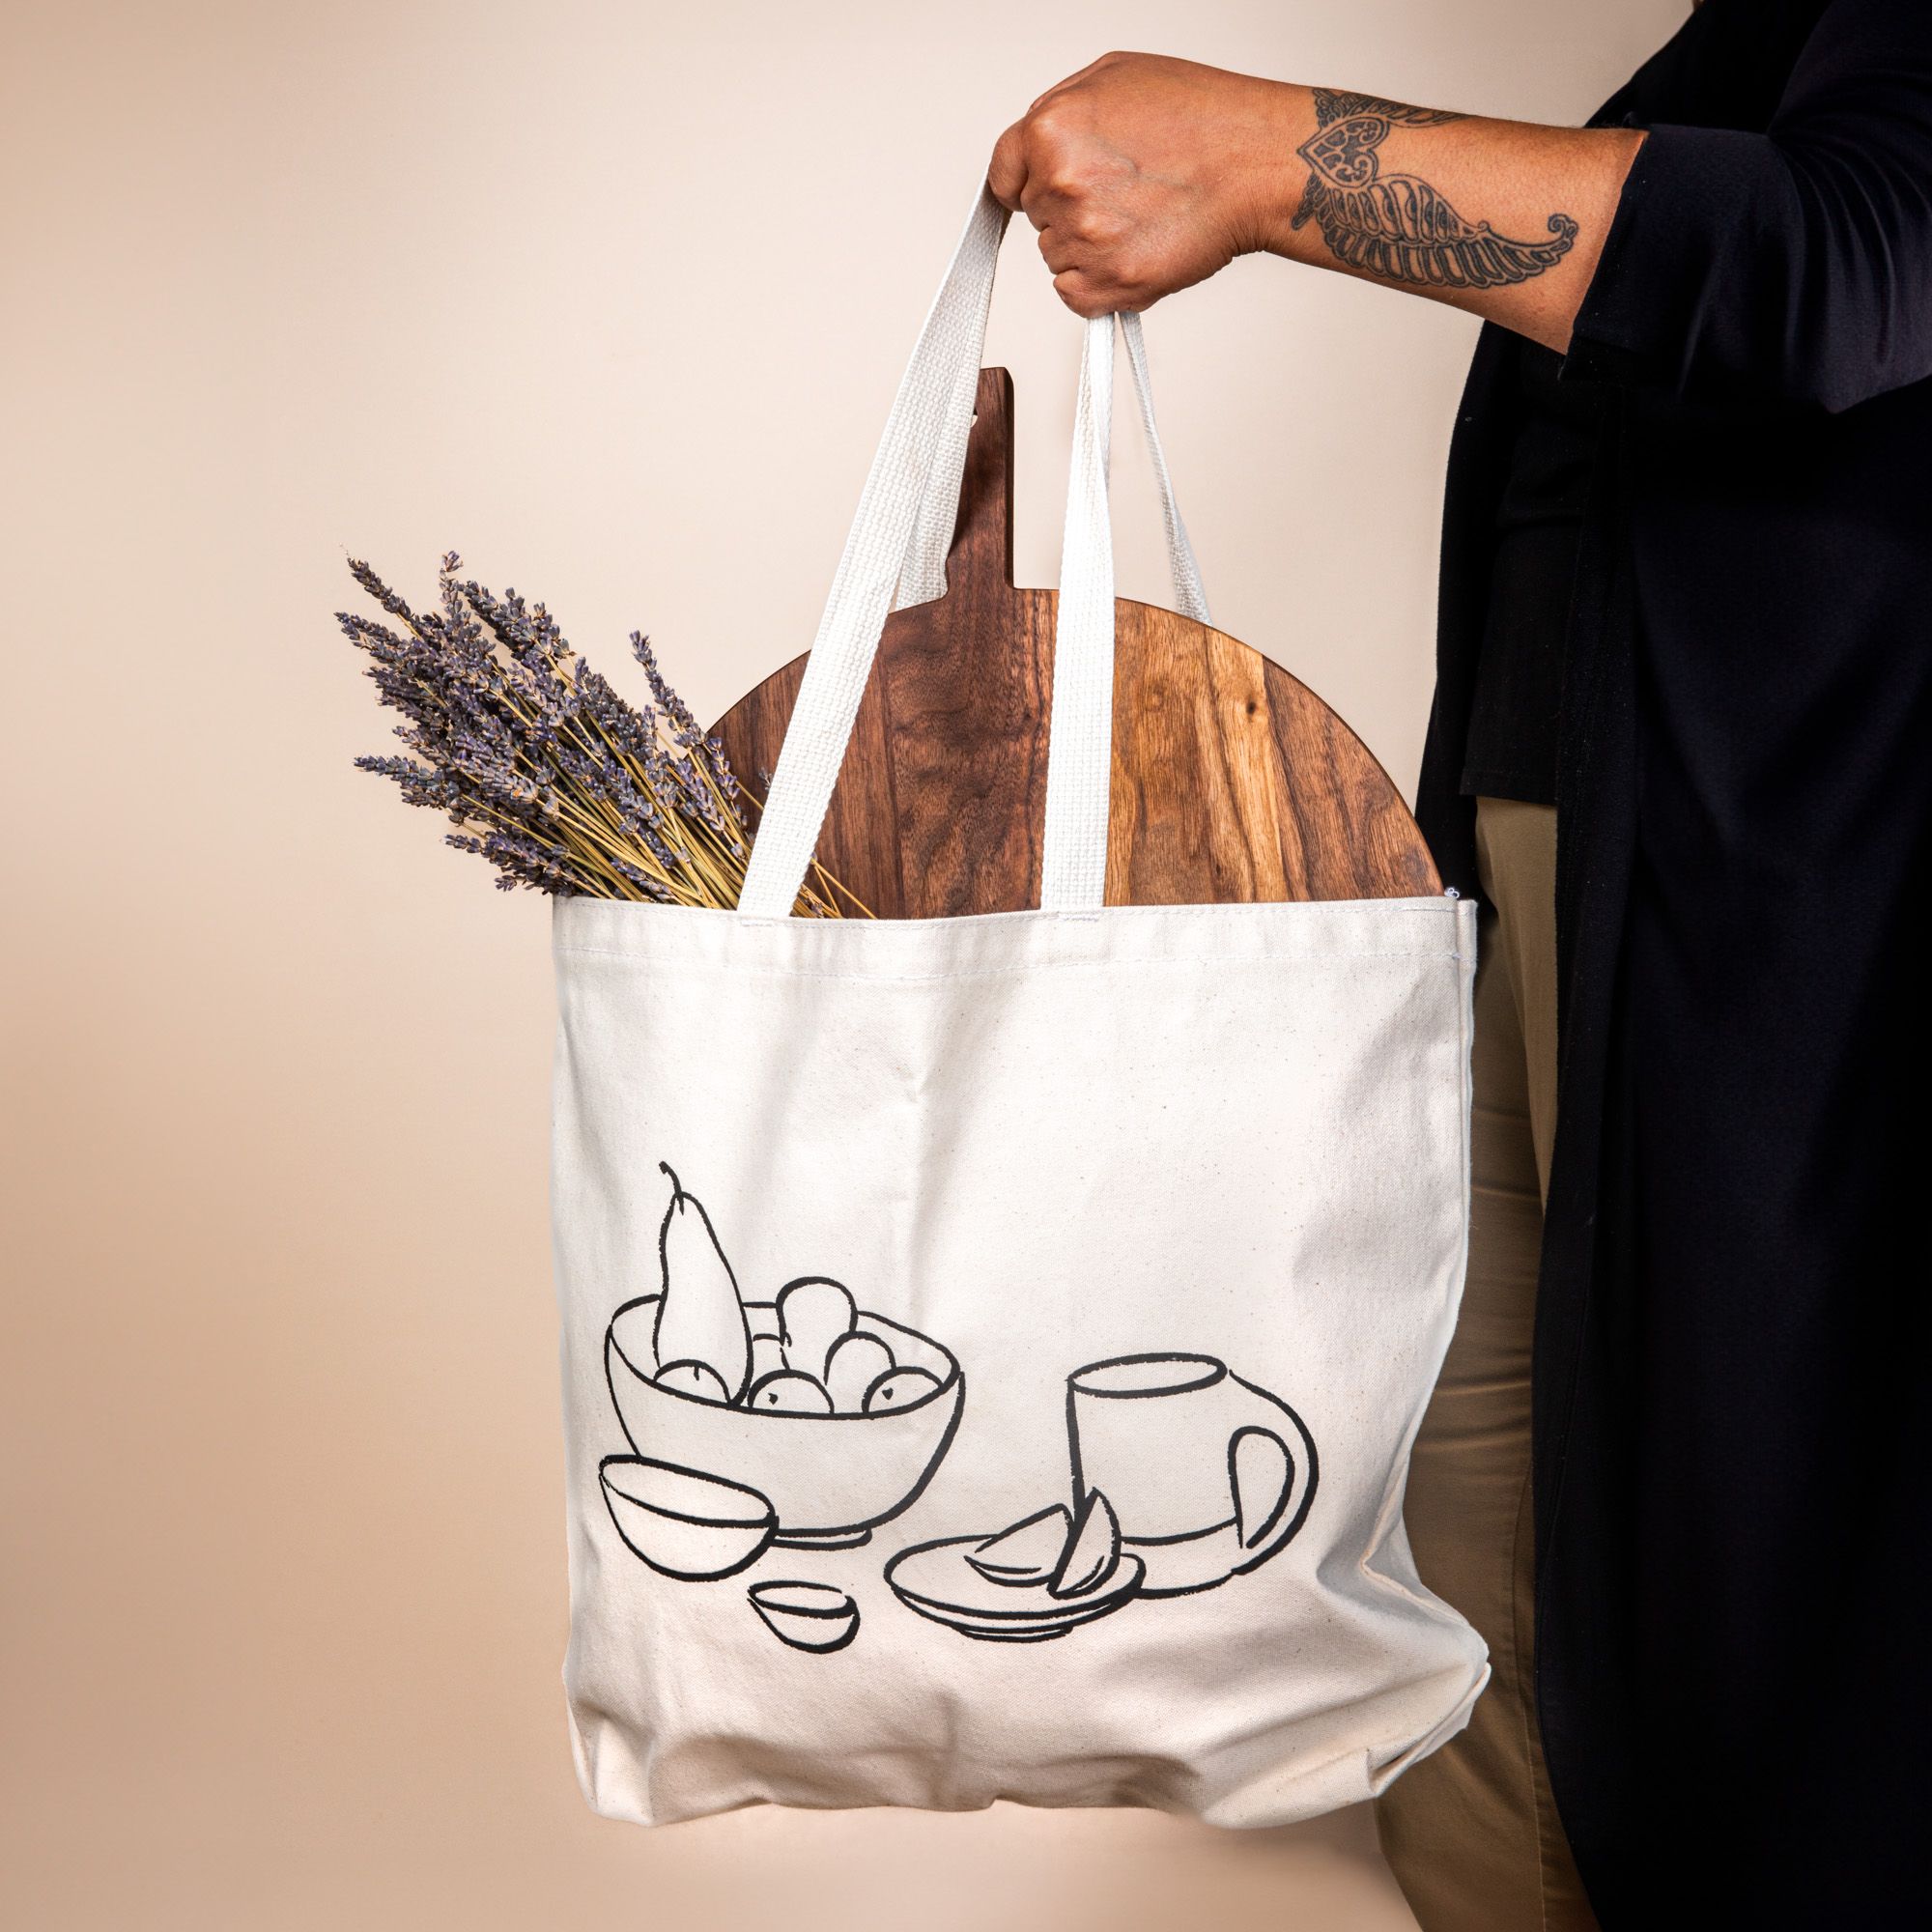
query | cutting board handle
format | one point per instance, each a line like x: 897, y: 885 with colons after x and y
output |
x: 983, y: 539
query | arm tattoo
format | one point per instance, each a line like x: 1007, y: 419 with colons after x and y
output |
x: 1397, y: 225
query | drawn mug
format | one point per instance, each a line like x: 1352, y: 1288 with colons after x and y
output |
x: 1209, y: 1475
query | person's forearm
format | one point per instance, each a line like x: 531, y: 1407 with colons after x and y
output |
x: 1503, y: 219
x: 1145, y: 174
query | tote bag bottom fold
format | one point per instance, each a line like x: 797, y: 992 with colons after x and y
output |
x: 621, y: 1781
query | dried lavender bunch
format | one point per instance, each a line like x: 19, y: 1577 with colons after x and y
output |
x: 542, y: 768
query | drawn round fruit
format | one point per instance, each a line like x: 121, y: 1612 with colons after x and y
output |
x: 813, y: 1312
x: 855, y: 1364
x: 808, y: 1616
x: 899, y: 1388
x: 698, y: 1380
x: 789, y: 1393
x: 683, y: 1523
x: 767, y: 1357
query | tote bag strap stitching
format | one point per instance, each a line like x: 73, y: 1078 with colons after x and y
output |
x: 895, y: 557
x: 930, y: 418
x: 1080, y: 736
x: 1190, y: 599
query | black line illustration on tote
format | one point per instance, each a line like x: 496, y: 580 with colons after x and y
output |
x: 818, y: 1617
x: 1184, y: 1475
x: 831, y: 1417
x: 1210, y: 1475
x: 1046, y: 1575
x: 682, y: 1522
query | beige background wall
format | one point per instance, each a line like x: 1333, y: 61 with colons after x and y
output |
x: 612, y: 296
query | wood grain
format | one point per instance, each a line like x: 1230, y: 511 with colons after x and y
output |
x: 1232, y: 780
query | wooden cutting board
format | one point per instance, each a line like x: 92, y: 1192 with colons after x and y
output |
x: 1232, y: 779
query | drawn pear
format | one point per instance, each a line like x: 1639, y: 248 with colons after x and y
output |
x: 1092, y: 1550
x: 701, y: 1319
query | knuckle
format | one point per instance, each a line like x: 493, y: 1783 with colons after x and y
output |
x: 1062, y: 257
x: 1144, y: 276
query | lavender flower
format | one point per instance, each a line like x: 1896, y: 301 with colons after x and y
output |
x: 541, y: 767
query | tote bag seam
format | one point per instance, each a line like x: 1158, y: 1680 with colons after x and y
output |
x: 683, y: 968
x: 1391, y: 1511
x: 1229, y: 912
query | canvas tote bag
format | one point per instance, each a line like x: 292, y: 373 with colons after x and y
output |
x: 991, y: 1346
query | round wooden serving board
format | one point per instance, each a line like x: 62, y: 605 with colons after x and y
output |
x: 1232, y: 780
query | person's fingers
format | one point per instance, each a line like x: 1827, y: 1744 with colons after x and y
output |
x: 1061, y: 251
x: 1058, y: 167
x: 1053, y: 148
x: 1060, y: 86
x: 1089, y: 225
x: 1006, y: 175
x: 1089, y: 285
x: 1027, y: 173
x: 1083, y: 296
x: 1073, y: 79
x: 1081, y: 278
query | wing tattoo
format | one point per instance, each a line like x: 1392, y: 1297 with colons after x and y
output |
x: 1332, y: 105
x: 1397, y: 226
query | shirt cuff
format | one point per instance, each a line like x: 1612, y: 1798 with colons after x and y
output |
x: 1685, y: 204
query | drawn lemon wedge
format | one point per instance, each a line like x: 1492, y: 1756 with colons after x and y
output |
x: 1029, y: 1553
x: 1092, y: 1551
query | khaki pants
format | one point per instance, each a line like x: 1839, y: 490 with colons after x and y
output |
x: 1472, y: 1833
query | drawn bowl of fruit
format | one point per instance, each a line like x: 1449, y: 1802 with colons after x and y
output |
x: 833, y: 1413
x: 1040, y: 1578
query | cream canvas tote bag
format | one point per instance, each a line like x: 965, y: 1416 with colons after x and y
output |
x: 991, y: 1346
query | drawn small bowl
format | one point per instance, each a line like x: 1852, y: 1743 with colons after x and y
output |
x: 683, y: 1523
x: 808, y: 1616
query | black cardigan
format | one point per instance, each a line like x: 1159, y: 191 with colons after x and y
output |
x: 1733, y: 1368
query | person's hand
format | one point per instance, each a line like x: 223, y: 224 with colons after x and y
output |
x: 1145, y: 174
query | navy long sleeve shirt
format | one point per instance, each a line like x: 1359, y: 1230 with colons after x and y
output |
x: 1734, y: 1346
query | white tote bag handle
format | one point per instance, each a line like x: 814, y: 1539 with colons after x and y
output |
x: 895, y: 557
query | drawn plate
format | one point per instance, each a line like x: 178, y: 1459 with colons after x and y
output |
x: 935, y: 1579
